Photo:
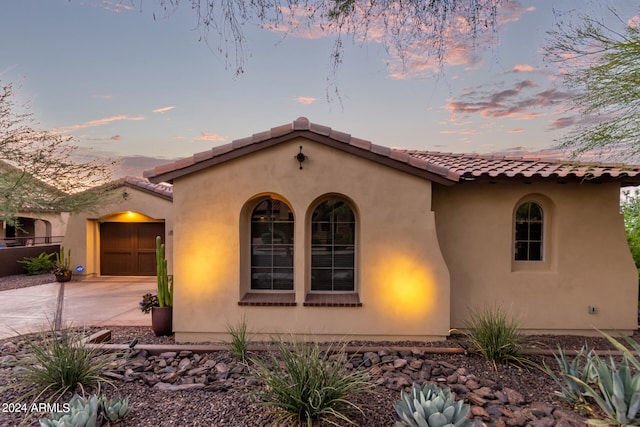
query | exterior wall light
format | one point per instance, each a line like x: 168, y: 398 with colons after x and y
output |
x: 300, y: 157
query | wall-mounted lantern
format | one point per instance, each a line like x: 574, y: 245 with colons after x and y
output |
x: 300, y: 157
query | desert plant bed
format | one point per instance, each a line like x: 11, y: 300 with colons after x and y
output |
x: 185, y: 388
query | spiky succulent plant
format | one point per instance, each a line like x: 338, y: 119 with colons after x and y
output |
x: 81, y: 413
x: 115, y: 410
x: 431, y: 406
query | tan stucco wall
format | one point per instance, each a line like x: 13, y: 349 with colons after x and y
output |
x: 401, y: 277
x: 83, y: 230
x: 587, y: 260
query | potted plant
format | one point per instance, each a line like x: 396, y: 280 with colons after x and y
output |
x: 62, y: 266
x: 160, y: 305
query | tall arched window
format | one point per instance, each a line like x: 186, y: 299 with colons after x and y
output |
x: 529, y: 232
x: 333, y: 237
x: 272, y: 246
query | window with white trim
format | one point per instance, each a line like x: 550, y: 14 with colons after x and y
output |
x: 529, y: 232
x: 333, y: 237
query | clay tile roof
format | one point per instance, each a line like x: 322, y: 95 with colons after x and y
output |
x: 474, y: 166
x: 161, y: 190
x: 444, y: 168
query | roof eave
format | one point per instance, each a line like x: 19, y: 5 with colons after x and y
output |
x: 339, y: 141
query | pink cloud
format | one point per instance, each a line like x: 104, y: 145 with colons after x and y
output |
x: 163, y: 109
x: 116, y: 7
x: 116, y: 138
x: 101, y: 96
x: 522, y: 68
x: 100, y: 122
x: 209, y: 136
x: 305, y: 100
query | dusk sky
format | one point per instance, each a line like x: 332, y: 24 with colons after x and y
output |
x: 125, y: 84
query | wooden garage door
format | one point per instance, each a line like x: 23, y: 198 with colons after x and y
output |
x: 129, y: 248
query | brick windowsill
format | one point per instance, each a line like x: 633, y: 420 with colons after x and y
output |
x: 332, y: 300
x: 268, y: 299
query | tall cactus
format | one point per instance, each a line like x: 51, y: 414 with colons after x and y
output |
x: 165, y: 289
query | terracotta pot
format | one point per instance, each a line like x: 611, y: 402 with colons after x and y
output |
x: 162, y: 321
x: 64, y: 277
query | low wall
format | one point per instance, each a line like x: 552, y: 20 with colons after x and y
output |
x: 9, y: 257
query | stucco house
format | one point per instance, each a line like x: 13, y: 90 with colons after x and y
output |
x: 118, y: 239
x: 307, y: 230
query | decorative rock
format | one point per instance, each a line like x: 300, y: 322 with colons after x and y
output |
x: 514, y: 397
x: 185, y: 364
x: 175, y: 387
x: 399, y: 363
x: 476, y: 400
x: 168, y: 355
x: 478, y: 411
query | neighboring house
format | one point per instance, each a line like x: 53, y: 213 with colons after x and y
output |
x: 119, y: 238
x: 307, y: 230
x: 34, y: 228
x: 35, y: 225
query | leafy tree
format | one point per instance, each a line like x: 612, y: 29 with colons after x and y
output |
x: 39, y: 169
x: 403, y: 28
x: 603, y: 66
x: 630, y: 207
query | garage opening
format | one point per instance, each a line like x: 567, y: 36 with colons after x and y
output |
x: 129, y: 248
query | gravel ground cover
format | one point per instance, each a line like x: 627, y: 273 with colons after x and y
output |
x: 504, y: 396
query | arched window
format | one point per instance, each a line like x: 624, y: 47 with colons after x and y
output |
x: 529, y: 232
x: 272, y: 246
x: 333, y: 237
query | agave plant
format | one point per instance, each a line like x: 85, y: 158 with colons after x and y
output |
x: 81, y: 413
x: 581, y: 367
x: 114, y: 410
x: 431, y: 406
x: 616, y: 390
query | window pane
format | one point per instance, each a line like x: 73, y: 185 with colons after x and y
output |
x: 321, y: 279
x: 283, y: 256
x: 321, y: 256
x: 522, y: 214
x: 522, y: 231
x: 344, y: 256
x: 522, y: 252
x: 535, y: 212
x: 261, y: 278
x: 535, y: 231
x: 261, y: 258
x: 283, y: 279
x: 343, y: 280
x: 535, y: 251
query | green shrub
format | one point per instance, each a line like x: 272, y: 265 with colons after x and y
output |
x: 239, y: 340
x: 305, y: 384
x: 39, y: 265
x: 495, y: 336
x: 58, y: 362
x: 431, y: 406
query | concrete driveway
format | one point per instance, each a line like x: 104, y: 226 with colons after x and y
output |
x: 102, y: 301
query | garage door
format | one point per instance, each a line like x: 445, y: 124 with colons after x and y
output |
x: 128, y: 248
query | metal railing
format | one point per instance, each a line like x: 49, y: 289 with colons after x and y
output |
x: 30, y: 241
